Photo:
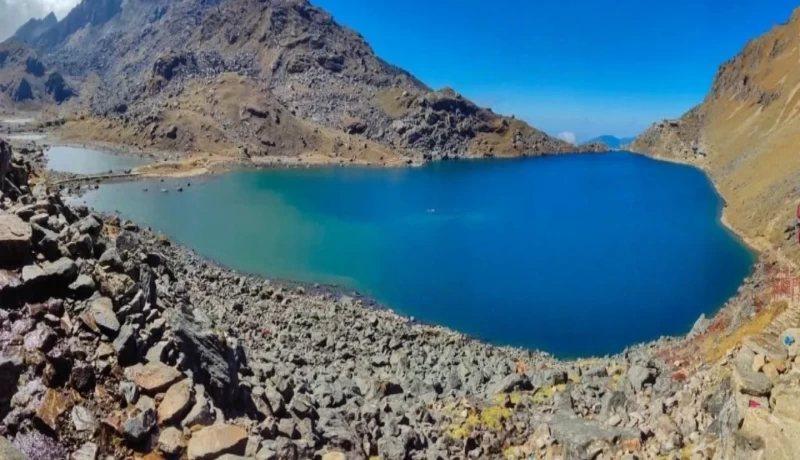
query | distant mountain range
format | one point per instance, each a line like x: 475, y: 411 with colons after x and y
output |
x: 612, y: 142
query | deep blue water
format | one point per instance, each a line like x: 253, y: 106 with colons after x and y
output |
x: 575, y: 255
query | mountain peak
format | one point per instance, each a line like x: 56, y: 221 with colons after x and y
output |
x: 34, y: 28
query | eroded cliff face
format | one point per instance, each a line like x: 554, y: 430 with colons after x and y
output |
x: 746, y: 133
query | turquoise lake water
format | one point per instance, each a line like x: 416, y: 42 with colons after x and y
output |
x: 80, y: 160
x: 575, y: 255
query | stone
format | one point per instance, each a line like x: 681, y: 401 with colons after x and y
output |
x: 83, y: 419
x: 758, y: 362
x: 510, y: 383
x: 9, y: 452
x: 217, y: 440
x: 176, y: 403
x: 100, y: 317
x: 129, y: 391
x: 201, y: 413
x: 49, y: 276
x: 110, y: 259
x: 55, y: 403
x: 171, y: 442
x: 748, y: 382
x: 541, y: 437
x: 115, y: 285
x: 288, y: 428
x: 87, y: 451
x: 38, y: 446
x: 82, y: 377
x: 639, y: 376
x: 125, y: 345
x: 15, y: 241
x: 42, y: 338
x: 83, y: 287
x: 213, y: 362
x: 63, y: 271
x: 771, y: 371
x: 769, y: 346
x: 12, y: 363
x: 153, y: 377
x: 785, y: 401
x: 334, y: 456
x: 141, y: 420
x: 88, y: 225
x: 577, y: 436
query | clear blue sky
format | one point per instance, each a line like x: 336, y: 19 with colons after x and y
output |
x: 586, y: 66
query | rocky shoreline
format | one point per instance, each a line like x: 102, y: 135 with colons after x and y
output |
x: 118, y: 344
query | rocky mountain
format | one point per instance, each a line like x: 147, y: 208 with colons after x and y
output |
x: 254, y: 78
x: 25, y: 80
x: 33, y: 29
x: 610, y: 141
x: 745, y: 135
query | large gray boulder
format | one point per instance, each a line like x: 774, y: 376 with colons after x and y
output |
x: 577, y: 435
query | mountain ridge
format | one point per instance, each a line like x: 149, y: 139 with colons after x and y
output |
x: 132, y: 61
x: 613, y: 142
x: 742, y: 134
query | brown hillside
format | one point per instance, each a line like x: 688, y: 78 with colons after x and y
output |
x: 149, y: 66
x: 746, y: 133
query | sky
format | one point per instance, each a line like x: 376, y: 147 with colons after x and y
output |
x: 580, y: 68
x: 574, y: 68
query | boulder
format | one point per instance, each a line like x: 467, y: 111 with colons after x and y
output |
x: 15, y: 241
x: 510, y: 383
x: 214, y: 441
x: 83, y: 419
x: 212, y: 361
x: 769, y: 346
x: 176, y: 403
x: 100, y: 317
x: 55, y: 403
x: 125, y: 345
x: 153, y: 377
x: 110, y: 259
x: 141, y: 420
x: 748, y: 382
x: 639, y: 376
x: 9, y: 452
x: 38, y: 446
x: 171, y: 442
x: 89, y: 225
x: 87, y: 451
x: 82, y: 288
x: 576, y: 435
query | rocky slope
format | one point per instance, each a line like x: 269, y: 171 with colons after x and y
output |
x: 744, y: 134
x: 258, y: 78
x: 25, y: 81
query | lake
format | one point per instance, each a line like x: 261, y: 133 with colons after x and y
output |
x: 575, y: 255
x: 81, y: 160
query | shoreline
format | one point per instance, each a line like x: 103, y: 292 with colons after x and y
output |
x: 658, y: 342
x: 225, y: 165
x: 310, y: 368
